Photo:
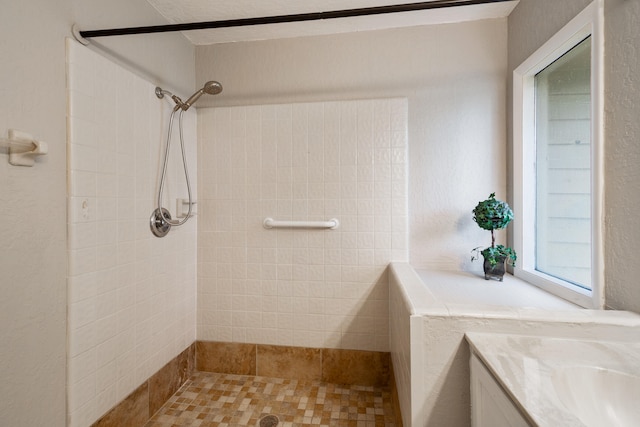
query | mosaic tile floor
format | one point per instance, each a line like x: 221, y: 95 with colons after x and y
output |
x: 209, y: 399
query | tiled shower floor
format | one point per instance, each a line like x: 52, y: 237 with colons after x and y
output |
x: 209, y: 399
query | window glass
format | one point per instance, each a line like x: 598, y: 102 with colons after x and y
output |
x: 563, y: 167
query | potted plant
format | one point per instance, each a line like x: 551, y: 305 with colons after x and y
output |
x: 492, y: 214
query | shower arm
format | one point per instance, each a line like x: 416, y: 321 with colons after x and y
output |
x: 82, y: 36
x: 160, y: 93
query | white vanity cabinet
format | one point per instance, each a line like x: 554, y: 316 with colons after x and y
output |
x: 490, y: 405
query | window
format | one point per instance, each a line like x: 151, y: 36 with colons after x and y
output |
x: 563, y: 167
x: 558, y: 172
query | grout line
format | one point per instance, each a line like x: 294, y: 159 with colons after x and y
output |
x: 256, y: 356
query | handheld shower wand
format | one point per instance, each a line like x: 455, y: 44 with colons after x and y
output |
x: 210, y: 88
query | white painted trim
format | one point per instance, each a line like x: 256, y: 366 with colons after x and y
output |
x: 588, y: 22
x: 598, y: 157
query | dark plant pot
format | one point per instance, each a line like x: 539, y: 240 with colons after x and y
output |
x: 494, y: 271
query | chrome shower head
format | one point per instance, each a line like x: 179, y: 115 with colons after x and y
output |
x: 210, y: 88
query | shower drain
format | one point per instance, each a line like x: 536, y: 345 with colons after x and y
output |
x: 269, y: 421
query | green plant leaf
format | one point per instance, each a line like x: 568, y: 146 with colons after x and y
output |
x: 492, y: 214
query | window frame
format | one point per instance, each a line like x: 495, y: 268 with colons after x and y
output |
x: 589, y: 22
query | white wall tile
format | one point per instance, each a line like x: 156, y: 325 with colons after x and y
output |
x: 114, y: 136
x: 308, y: 161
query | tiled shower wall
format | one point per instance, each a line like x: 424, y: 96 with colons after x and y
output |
x: 315, y: 161
x: 131, y: 296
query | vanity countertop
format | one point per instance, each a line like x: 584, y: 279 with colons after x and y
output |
x: 528, y: 367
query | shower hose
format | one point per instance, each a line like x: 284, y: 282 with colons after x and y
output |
x: 174, y: 222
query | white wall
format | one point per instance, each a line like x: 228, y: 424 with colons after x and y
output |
x: 32, y: 200
x: 32, y: 205
x: 622, y: 133
x: 401, y: 318
x: 307, y: 161
x: 166, y: 59
x: 132, y: 296
x: 454, y: 77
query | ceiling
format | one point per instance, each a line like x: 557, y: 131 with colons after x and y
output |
x: 185, y: 11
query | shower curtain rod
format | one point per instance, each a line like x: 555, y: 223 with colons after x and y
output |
x: 301, y: 17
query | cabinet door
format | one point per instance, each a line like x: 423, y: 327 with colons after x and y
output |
x: 490, y: 406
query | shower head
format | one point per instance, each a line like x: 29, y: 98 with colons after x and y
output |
x: 210, y: 88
